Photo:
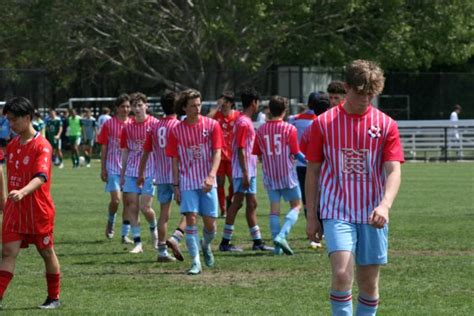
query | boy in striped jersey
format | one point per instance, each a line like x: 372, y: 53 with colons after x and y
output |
x: 277, y: 143
x: 354, y: 174
x: 28, y: 217
x: 195, y: 146
x: 244, y: 172
x: 111, y: 162
x: 138, y: 198
x: 156, y: 143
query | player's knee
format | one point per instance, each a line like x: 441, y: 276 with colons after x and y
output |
x: 342, y: 277
x: 115, y: 202
x: 8, y: 253
x: 47, y: 254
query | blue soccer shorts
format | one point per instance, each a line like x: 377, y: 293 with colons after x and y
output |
x: 113, y: 183
x: 287, y: 194
x: 368, y: 244
x: 237, y: 184
x: 197, y: 201
x: 131, y: 186
x: 165, y: 193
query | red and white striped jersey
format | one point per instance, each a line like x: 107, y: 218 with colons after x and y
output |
x: 34, y: 214
x: 110, y: 135
x: 156, y: 142
x: 133, y: 138
x: 352, y: 150
x: 193, y: 145
x: 244, y: 137
x: 227, y: 127
x: 277, y: 143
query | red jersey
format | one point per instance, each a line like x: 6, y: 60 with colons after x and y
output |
x: 227, y: 126
x: 277, y: 142
x: 352, y: 150
x: 110, y: 135
x: 133, y: 137
x: 193, y: 145
x: 34, y: 214
x: 244, y: 137
x: 156, y: 142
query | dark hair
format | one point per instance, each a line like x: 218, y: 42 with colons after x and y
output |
x: 248, y: 95
x: 319, y: 102
x: 19, y: 106
x: 105, y: 110
x: 183, y: 99
x: 228, y: 96
x: 336, y: 87
x: 278, y: 105
x: 168, y: 101
x: 457, y: 107
x: 121, y: 99
x: 137, y: 96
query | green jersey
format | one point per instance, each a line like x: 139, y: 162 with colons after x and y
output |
x: 52, y: 127
x: 74, y: 126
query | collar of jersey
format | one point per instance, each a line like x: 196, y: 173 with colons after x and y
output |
x: 356, y: 116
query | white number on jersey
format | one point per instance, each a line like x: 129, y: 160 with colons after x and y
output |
x: 162, y: 137
x: 276, y: 144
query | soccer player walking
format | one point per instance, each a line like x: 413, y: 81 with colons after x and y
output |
x: 89, y: 129
x: 244, y: 173
x: 111, y: 164
x: 54, y: 128
x: 226, y: 116
x: 354, y: 158
x: 277, y: 143
x: 28, y: 217
x: 156, y: 143
x: 138, y: 198
x: 195, y: 146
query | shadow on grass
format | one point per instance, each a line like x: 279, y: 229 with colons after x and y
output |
x: 79, y: 254
x: 81, y: 242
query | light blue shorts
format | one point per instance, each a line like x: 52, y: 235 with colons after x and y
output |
x: 130, y: 186
x: 237, y: 184
x: 113, y: 183
x: 165, y: 192
x: 287, y: 194
x: 196, y: 201
x: 368, y: 244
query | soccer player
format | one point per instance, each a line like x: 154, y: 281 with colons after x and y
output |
x: 138, y: 198
x: 354, y: 159
x: 195, y: 146
x: 74, y: 133
x: 111, y: 165
x: 156, y: 142
x: 244, y: 172
x: 104, y: 117
x: 54, y: 129
x: 226, y: 116
x: 277, y: 143
x: 337, y: 92
x: 89, y: 129
x: 318, y: 102
x: 28, y: 217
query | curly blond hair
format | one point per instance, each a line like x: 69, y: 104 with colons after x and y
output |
x: 366, y: 77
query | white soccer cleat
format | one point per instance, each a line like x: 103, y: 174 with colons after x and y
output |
x: 315, y: 245
x: 137, y: 249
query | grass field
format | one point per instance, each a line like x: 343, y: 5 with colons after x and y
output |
x: 430, y: 270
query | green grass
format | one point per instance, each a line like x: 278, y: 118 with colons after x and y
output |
x: 430, y: 270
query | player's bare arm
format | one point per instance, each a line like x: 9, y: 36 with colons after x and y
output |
x: 33, y: 185
x: 380, y: 215
x: 209, y: 181
x: 177, y: 193
x: 58, y: 135
x: 2, y: 190
x: 243, y: 165
x: 313, y: 227
x: 125, y: 153
x: 103, y: 160
x: 141, y: 168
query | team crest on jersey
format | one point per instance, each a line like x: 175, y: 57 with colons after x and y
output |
x: 18, y: 151
x: 46, y: 240
x: 26, y: 160
x: 46, y: 150
x: 10, y: 157
x: 205, y: 133
x: 354, y: 161
x: 374, y: 131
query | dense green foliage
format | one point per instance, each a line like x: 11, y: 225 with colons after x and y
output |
x: 429, y: 270
x: 179, y: 43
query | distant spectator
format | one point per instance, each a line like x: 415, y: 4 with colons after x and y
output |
x: 455, y: 138
x: 337, y: 92
x: 54, y: 129
x: 263, y: 115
